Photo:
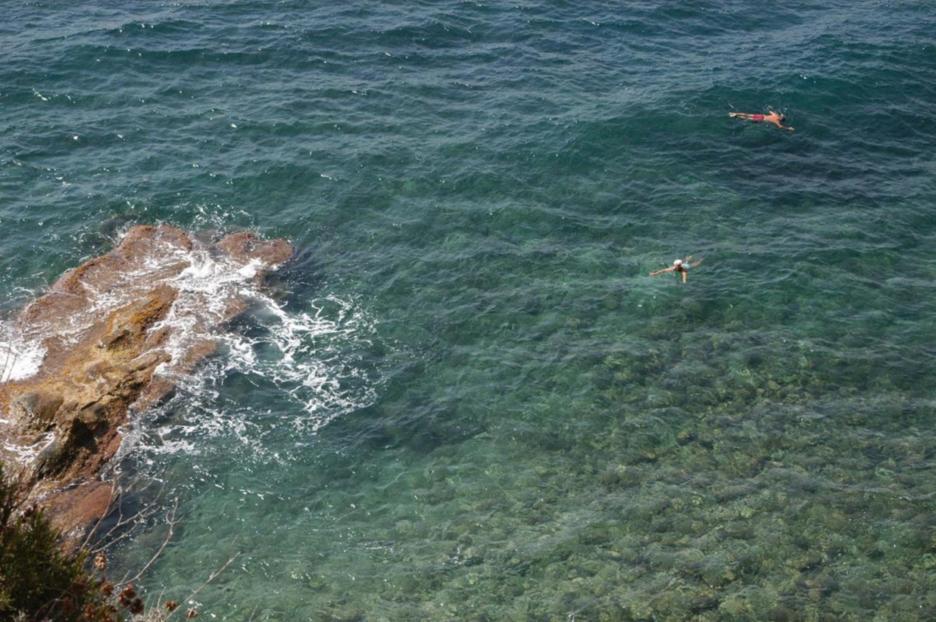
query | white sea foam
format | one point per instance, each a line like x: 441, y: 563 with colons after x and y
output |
x: 311, y: 357
x: 25, y: 454
x: 311, y: 360
x: 20, y: 357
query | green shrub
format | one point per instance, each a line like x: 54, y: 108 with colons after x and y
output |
x: 38, y: 581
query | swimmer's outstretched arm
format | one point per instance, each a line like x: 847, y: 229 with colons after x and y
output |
x: 663, y: 271
x: 693, y: 264
x: 780, y: 123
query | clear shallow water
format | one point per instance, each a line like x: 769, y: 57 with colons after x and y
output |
x: 465, y: 399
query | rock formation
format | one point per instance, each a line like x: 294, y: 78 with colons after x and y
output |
x: 116, y: 332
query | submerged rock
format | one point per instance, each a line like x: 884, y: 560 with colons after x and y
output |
x: 116, y: 333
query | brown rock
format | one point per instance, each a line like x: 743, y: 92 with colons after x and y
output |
x: 35, y: 410
x: 245, y: 246
x: 117, y: 331
x: 78, y: 507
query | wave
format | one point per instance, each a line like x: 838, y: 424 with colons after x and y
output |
x: 20, y: 356
x: 310, y: 363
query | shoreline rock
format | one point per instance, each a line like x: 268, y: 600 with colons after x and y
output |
x: 117, y: 331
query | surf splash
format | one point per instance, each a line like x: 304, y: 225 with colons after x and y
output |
x: 311, y: 362
x: 115, y: 335
x: 20, y: 357
x: 116, y: 360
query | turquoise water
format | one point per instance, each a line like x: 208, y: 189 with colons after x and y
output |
x: 466, y: 399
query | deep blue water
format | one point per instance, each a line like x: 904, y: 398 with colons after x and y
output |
x: 465, y: 398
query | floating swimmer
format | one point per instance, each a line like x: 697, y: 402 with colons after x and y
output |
x: 680, y: 266
x: 774, y: 117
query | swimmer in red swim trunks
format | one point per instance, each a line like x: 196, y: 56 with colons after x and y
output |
x: 680, y: 267
x: 774, y: 117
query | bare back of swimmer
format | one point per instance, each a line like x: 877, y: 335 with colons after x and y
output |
x: 774, y: 117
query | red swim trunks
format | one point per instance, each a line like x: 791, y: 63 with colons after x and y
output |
x: 757, y: 117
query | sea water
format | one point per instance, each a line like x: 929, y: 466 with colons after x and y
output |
x: 465, y: 398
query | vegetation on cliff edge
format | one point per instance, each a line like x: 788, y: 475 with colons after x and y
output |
x: 40, y: 581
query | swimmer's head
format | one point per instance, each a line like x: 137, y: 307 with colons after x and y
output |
x: 677, y: 262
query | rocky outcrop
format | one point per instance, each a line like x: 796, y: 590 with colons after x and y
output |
x: 117, y: 332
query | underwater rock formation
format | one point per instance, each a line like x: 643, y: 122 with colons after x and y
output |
x: 113, y: 335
